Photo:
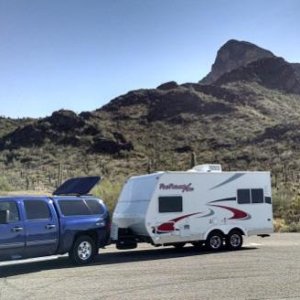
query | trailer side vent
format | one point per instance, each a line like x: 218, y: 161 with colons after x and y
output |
x: 207, y: 168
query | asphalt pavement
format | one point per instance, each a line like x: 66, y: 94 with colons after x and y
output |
x: 266, y: 268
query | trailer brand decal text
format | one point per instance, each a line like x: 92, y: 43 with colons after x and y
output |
x: 172, y: 186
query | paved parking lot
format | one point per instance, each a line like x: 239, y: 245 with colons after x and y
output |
x: 264, y: 269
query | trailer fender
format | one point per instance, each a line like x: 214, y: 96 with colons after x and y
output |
x: 242, y: 230
x: 225, y: 230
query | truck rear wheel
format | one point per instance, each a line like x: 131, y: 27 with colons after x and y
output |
x: 234, y: 240
x: 83, y: 251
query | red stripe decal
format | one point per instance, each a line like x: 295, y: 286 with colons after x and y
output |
x: 237, y: 214
x: 166, y: 227
x: 170, y: 225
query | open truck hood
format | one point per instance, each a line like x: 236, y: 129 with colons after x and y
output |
x: 77, y: 186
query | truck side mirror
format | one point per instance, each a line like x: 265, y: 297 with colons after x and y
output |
x: 4, y: 216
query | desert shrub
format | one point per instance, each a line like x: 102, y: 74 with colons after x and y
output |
x: 292, y: 227
x: 4, y: 184
x: 279, y: 225
x: 286, y: 207
x: 109, y: 192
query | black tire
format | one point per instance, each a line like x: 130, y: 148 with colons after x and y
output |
x: 83, y: 250
x: 214, y: 241
x: 234, y: 240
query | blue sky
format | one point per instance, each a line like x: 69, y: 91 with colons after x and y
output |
x: 80, y: 54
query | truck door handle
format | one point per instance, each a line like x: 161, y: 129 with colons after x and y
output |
x: 100, y: 223
x: 50, y: 226
x: 17, y: 229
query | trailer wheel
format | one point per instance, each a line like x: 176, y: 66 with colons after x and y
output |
x: 234, y: 240
x: 83, y: 251
x: 214, y: 241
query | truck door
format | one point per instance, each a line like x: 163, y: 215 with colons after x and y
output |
x: 12, y: 234
x: 42, y: 228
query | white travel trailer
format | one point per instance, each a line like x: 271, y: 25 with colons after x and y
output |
x: 200, y: 206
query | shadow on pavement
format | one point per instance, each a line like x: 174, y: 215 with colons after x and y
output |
x: 27, y: 267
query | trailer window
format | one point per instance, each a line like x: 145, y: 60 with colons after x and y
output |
x: 170, y: 204
x: 268, y: 200
x: 257, y: 195
x: 243, y: 196
x: 247, y: 196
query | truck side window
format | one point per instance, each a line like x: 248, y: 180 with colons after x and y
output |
x: 74, y: 208
x: 170, y: 204
x: 13, y: 210
x: 36, y: 210
x: 94, y: 206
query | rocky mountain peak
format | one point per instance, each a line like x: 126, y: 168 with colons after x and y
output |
x: 273, y: 73
x: 232, y: 55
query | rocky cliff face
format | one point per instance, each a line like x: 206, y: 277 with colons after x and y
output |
x: 296, y: 67
x: 274, y: 73
x: 165, y: 104
x: 233, y: 55
x: 66, y: 128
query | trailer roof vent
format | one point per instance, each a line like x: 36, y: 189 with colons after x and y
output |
x: 207, y: 168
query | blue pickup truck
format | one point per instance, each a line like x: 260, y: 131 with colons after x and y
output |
x: 70, y: 221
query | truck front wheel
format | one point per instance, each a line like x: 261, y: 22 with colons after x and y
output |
x: 83, y: 251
